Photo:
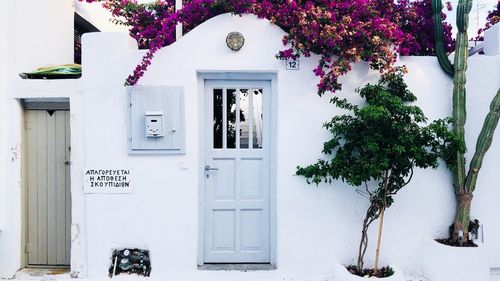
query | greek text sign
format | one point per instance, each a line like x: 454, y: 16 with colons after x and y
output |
x: 107, y: 181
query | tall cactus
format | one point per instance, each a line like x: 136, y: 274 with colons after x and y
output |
x: 464, y: 183
x: 444, y: 62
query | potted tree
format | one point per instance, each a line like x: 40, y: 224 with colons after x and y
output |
x: 463, y: 248
x: 382, y: 142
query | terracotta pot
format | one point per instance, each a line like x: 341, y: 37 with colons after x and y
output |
x: 446, y: 263
x: 341, y: 273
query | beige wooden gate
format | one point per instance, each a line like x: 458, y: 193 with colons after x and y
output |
x: 48, y: 187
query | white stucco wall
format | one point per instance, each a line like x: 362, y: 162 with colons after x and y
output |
x: 4, y: 264
x: 492, y: 40
x: 28, y: 40
x: 3, y: 68
x: 34, y: 40
x: 316, y: 226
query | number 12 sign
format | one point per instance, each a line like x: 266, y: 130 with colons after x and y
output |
x: 292, y: 64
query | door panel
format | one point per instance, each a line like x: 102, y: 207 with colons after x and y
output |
x: 237, y: 179
x: 224, y: 230
x: 49, y: 217
x: 223, y: 187
x: 251, y: 230
x: 251, y: 181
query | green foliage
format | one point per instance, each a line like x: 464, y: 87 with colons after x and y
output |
x: 383, y: 136
x: 381, y: 141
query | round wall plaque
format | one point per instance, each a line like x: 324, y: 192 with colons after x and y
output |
x: 235, y: 41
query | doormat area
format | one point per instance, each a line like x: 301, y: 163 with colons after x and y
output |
x: 32, y: 273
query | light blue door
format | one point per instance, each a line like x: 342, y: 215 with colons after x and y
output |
x: 236, y: 172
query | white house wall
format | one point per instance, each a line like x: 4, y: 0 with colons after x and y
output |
x: 3, y: 131
x: 316, y: 226
x: 33, y: 34
x: 41, y: 33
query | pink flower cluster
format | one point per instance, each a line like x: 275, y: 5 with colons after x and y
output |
x: 492, y: 19
x: 416, y: 20
x: 342, y: 32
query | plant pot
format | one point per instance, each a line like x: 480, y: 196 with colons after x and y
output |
x: 341, y: 273
x: 446, y: 263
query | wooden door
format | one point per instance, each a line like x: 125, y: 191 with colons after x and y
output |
x: 236, y: 172
x: 48, y: 187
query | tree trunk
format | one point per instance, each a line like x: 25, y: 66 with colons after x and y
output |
x: 363, y: 243
x: 377, y: 251
x: 462, y: 218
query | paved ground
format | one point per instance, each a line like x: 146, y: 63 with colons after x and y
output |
x: 57, y: 274
x: 62, y: 274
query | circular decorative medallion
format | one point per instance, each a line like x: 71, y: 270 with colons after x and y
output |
x: 235, y: 41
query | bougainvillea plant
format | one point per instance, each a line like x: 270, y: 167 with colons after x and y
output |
x: 492, y: 18
x: 341, y: 32
x: 417, y: 21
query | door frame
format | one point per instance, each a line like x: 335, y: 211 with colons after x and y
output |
x: 202, y: 77
x: 56, y: 104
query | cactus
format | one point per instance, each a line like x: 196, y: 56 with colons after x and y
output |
x: 464, y: 183
x: 484, y: 141
x: 444, y: 62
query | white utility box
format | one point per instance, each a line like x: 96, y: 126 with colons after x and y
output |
x: 156, y: 120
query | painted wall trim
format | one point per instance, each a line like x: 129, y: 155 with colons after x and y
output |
x: 45, y: 103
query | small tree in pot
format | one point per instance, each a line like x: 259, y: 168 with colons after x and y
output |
x: 381, y: 141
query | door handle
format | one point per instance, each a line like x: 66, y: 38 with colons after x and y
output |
x: 208, y: 168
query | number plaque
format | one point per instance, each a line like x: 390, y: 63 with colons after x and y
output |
x: 292, y: 64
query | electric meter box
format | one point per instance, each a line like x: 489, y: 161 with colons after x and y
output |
x: 156, y: 120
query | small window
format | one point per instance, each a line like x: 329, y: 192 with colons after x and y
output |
x: 237, y: 118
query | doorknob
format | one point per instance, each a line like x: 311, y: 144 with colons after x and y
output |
x: 208, y: 168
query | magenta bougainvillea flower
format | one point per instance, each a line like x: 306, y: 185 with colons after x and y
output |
x: 341, y: 32
x: 492, y: 19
